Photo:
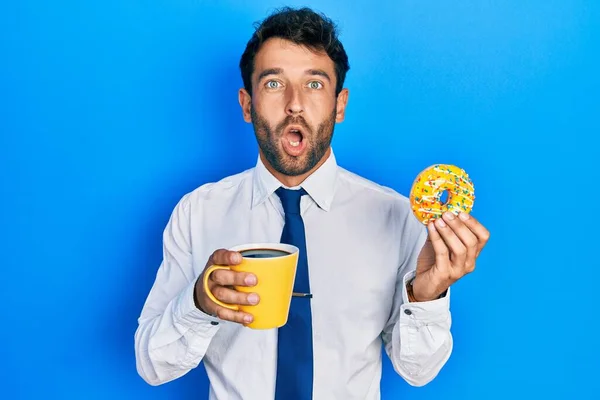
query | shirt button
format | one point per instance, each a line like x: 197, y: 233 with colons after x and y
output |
x: 214, y: 323
x: 407, y: 312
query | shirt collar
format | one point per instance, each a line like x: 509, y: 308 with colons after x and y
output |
x: 320, y: 185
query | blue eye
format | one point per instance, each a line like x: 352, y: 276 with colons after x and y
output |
x: 315, y: 85
x: 272, y: 84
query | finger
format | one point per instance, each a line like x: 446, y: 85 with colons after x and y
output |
x: 468, y: 239
x: 442, y: 254
x: 458, y: 251
x: 234, y: 316
x: 231, y: 296
x: 226, y: 257
x: 225, y: 277
x: 482, y: 234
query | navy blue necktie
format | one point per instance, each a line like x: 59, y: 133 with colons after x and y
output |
x: 294, y: 346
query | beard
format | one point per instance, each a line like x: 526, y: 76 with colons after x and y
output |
x: 269, y: 142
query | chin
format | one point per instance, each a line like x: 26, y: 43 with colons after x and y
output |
x: 292, y: 166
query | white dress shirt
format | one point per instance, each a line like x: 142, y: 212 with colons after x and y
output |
x: 362, y: 244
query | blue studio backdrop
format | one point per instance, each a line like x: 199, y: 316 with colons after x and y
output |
x: 111, y: 111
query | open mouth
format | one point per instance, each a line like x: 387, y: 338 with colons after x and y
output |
x: 293, y: 140
x: 294, y: 135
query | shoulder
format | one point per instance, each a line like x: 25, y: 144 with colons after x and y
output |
x: 229, y: 187
x: 380, y: 202
x: 357, y: 185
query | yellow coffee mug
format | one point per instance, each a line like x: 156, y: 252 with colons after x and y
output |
x: 274, y: 265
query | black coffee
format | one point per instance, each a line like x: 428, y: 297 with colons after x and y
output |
x: 263, y: 253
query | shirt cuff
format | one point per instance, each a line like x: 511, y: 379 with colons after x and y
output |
x: 190, y: 315
x: 426, y: 311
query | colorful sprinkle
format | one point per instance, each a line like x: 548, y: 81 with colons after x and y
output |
x: 429, y: 185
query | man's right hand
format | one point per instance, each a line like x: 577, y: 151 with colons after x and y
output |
x: 220, y: 283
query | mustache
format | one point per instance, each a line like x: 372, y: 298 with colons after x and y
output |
x: 289, y: 120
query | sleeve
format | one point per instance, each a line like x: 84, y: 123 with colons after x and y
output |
x: 417, y: 336
x: 173, y: 335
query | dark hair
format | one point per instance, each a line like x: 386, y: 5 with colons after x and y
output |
x: 303, y: 27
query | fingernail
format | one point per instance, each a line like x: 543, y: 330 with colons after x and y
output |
x: 440, y: 222
x: 250, y: 280
x: 464, y: 216
x: 247, y: 318
x: 431, y: 226
x: 252, y: 298
x: 236, y: 257
x: 449, y: 215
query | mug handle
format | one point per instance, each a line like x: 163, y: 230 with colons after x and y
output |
x: 211, y: 296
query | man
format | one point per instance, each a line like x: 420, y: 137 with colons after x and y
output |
x: 376, y: 274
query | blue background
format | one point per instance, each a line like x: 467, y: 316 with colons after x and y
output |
x: 111, y: 111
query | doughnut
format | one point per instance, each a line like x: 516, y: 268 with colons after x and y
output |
x: 429, y: 186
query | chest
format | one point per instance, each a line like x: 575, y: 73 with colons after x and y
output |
x: 353, y: 259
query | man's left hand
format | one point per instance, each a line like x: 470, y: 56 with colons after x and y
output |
x: 452, y: 246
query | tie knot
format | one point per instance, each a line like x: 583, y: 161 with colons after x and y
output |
x: 290, y: 199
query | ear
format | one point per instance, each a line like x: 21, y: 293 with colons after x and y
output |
x: 342, y: 100
x: 245, y: 102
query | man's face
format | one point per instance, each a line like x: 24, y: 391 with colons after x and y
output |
x: 293, y: 107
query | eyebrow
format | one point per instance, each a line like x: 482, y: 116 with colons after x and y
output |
x: 318, y: 72
x: 269, y: 71
x: 277, y: 71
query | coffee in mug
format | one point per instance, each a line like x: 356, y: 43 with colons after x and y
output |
x: 263, y: 253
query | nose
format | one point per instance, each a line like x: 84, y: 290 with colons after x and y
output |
x: 294, y: 104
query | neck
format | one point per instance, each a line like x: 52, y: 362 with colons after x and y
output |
x: 291, y: 181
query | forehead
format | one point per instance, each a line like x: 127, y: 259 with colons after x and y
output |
x: 292, y: 58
